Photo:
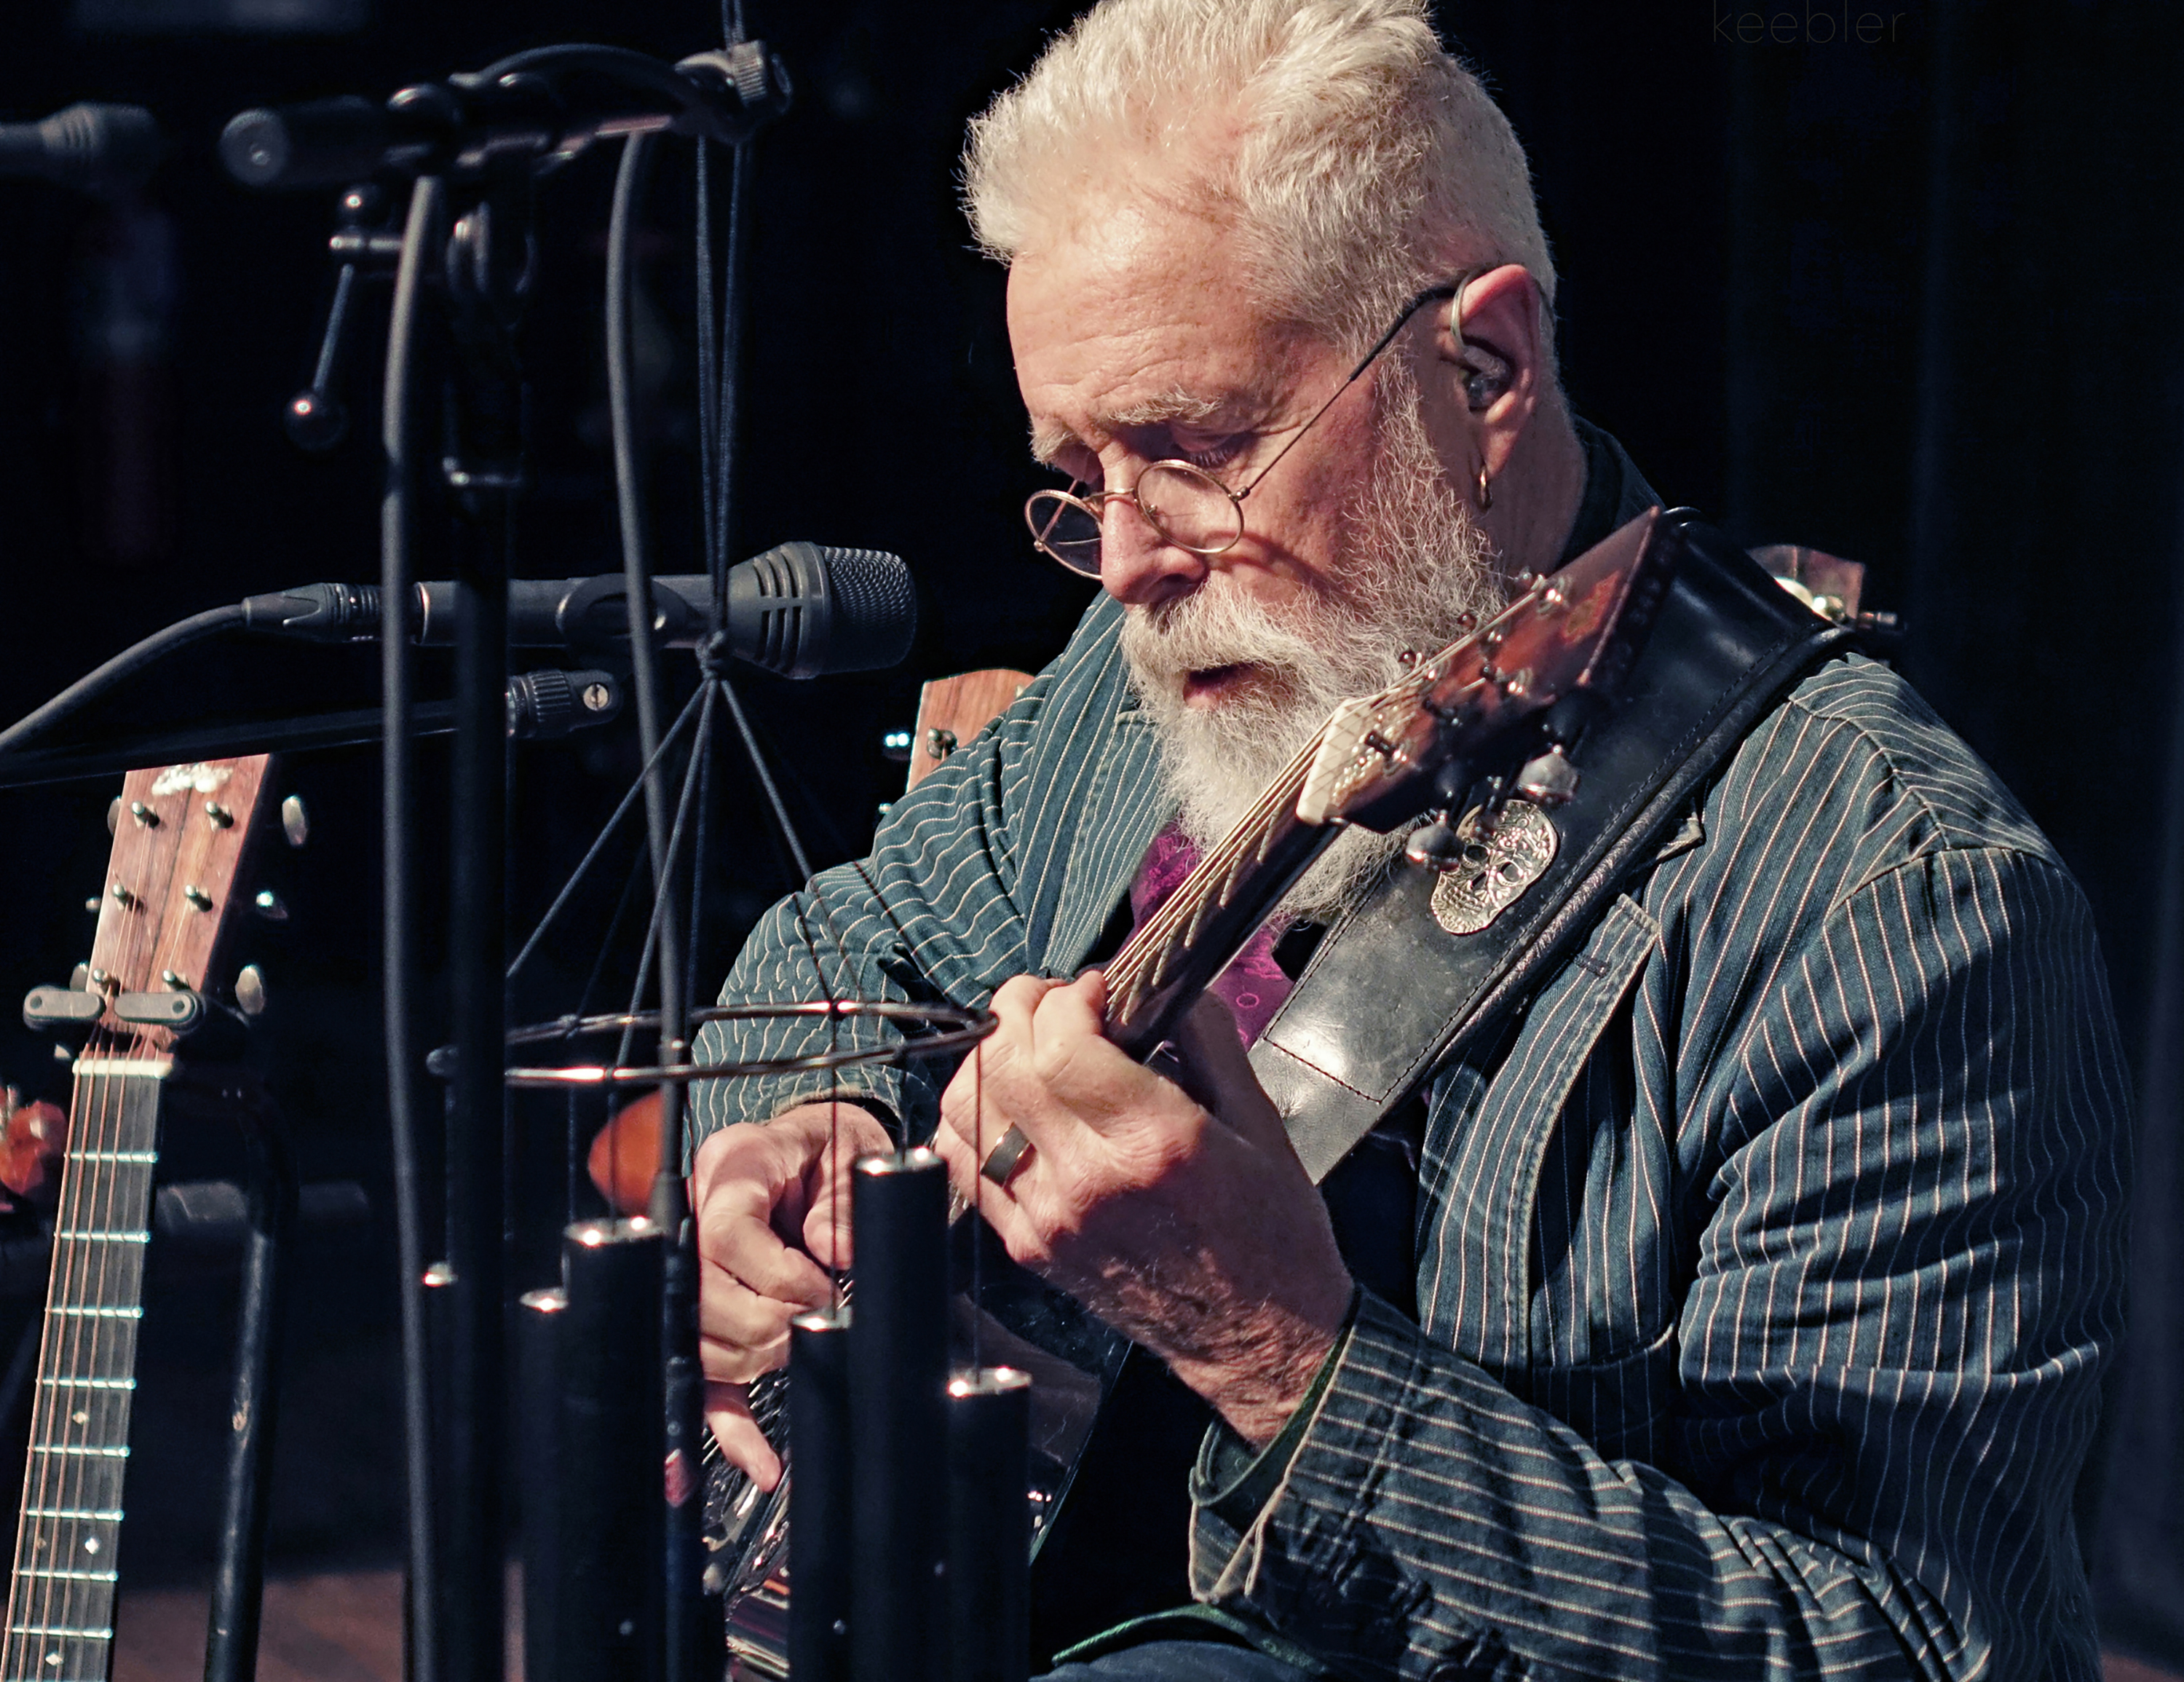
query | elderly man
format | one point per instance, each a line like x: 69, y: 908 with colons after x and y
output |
x: 1764, y: 1262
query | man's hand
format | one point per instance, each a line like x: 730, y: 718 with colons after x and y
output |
x: 1190, y: 1228
x: 770, y: 1197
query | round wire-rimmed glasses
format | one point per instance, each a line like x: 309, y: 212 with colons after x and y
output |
x: 1185, y: 504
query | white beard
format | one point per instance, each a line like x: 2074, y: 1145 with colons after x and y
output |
x: 1416, y: 564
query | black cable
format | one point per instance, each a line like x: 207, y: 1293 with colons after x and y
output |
x: 727, y: 408
x: 636, y: 557
x: 195, y: 629
x: 425, y: 200
x: 618, y: 64
x: 709, y: 363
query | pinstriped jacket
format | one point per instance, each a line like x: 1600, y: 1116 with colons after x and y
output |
x: 1767, y: 1262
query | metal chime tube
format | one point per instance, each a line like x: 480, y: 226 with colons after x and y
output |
x: 538, y: 1319
x: 819, y: 1509
x: 898, y: 1423
x: 989, y: 1526
x: 612, y: 1448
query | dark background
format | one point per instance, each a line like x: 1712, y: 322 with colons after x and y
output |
x: 1914, y: 300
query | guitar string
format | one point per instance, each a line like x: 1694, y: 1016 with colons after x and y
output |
x: 29, y: 1604
x: 102, y: 1338
x: 135, y: 1122
x: 1168, y: 917
x: 100, y: 1341
x: 111, y: 1339
x: 1143, y: 950
x: 51, y: 1480
x: 81, y: 1349
x: 1157, y: 934
x: 60, y: 1477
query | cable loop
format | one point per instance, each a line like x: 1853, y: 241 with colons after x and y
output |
x: 714, y: 655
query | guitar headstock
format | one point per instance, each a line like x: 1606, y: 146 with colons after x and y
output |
x: 180, y: 835
x: 1528, y: 679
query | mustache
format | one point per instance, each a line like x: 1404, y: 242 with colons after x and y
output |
x: 1319, y: 641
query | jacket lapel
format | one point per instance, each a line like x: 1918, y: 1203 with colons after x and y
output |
x: 1126, y: 806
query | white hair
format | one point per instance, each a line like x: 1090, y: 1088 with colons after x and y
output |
x: 1351, y: 159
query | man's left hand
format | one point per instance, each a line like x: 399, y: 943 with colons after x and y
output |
x: 1190, y: 1228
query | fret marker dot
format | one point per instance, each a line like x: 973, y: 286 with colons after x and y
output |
x: 55, y: 1656
x: 90, y: 1544
x: 81, y: 1417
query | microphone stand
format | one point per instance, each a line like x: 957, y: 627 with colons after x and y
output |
x: 475, y: 143
x: 487, y: 273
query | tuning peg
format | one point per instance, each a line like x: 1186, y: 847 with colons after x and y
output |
x: 268, y: 906
x: 1550, y: 779
x: 295, y: 822
x: 250, y: 990
x: 1436, y: 846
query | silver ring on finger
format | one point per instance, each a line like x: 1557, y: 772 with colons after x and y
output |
x: 1007, y: 1156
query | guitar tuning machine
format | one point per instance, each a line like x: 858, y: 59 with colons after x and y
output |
x: 1548, y: 779
x: 1435, y: 845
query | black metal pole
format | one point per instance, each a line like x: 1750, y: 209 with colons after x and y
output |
x: 610, y: 1454
x: 897, y: 1423
x: 539, y: 1317
x: 426, y: 1641
x: 238, y: 1583
x: 483, y: 465
x: 819, y: 1497
x: 989, y: 1526
x: 475, y: 1141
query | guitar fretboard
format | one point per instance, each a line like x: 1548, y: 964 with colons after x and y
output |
x: 60, y: 1609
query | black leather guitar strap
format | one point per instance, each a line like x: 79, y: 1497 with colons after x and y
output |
x: 1390, y: 994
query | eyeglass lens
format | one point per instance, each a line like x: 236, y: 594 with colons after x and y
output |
x: 1188, y: 507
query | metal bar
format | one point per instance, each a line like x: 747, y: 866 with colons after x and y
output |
x: 611, y: 1447
x: 989, y: 1526
x: 819, y: 1497
x: 476, y: 1121
x: 898, y: 1424
x: 239, y: 1572
x: 540, y: 1315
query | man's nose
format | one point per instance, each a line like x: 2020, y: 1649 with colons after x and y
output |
x: 1138, y: 566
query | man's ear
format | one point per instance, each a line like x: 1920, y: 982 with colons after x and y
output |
x: 1499, y: 361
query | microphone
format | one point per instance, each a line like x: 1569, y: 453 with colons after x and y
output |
x: 109, y: 149
x: 800, y: 610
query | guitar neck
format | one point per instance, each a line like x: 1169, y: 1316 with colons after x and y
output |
x: 1170, y: 959
x: 180, y: 832
x: 1380, y: 760
x: 60, y: 1602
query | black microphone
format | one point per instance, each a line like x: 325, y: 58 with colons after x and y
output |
x: 100, y: 148
x: 801, y: 611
